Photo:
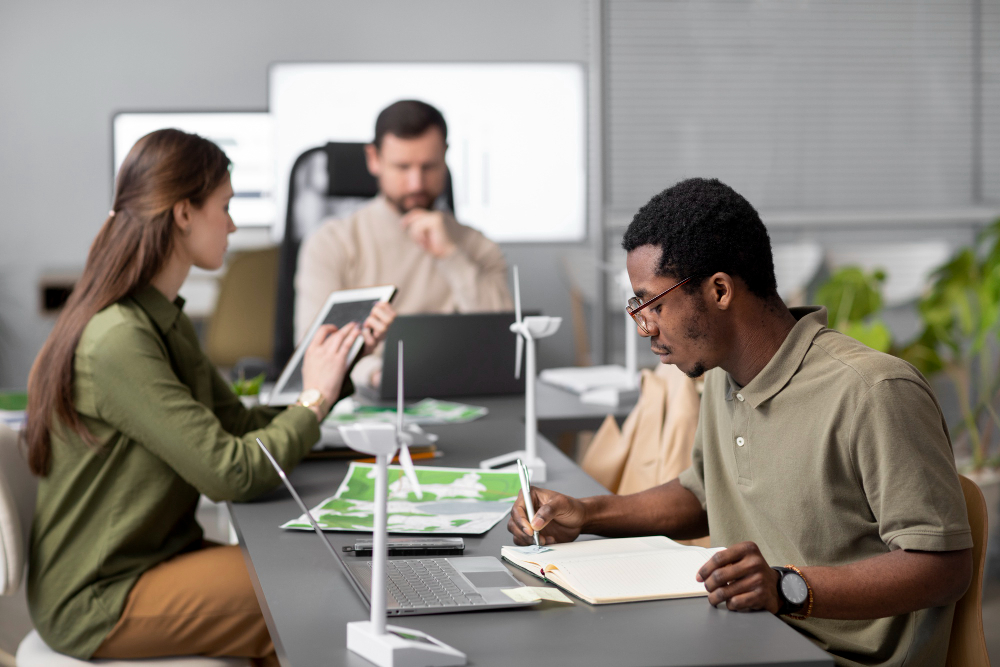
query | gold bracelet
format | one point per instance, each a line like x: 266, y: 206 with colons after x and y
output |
x: 809, y: 605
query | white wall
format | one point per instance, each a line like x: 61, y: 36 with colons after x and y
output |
x: 66, y: 67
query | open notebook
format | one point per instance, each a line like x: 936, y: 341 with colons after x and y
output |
x: 618, y: 570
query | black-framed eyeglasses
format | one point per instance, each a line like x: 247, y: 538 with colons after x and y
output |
x: 635, y: 307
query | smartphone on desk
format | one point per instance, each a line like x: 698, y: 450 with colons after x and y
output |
x: 411, y: 546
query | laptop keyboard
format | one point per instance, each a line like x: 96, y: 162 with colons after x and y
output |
x: 428, y: 583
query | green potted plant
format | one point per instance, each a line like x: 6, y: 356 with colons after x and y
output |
x: 958, y: 343
x: 853, y: 299
x: 960, y: 339
x: 248, y: 389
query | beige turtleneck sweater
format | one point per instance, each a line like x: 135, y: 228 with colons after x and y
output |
x: 371, y: 248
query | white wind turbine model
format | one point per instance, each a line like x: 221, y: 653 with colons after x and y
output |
x: 528, y: 329
x: 390, y: 645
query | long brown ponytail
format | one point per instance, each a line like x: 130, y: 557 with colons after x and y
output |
x: 163, y: 168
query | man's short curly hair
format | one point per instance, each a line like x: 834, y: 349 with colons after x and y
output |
x: 704, y: 226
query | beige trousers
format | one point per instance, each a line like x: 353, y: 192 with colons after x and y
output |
x: 197, y: 603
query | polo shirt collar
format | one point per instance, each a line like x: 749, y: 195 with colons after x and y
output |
x: 163, y: 312
x: 786, y: 361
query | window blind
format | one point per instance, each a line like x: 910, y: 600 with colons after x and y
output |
x: 809, y: 105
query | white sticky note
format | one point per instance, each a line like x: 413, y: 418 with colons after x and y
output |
x: 532, y: 593
x: 530, y: 549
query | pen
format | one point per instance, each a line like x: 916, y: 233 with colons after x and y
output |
x: 522, y: 473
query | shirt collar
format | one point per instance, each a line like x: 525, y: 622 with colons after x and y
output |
x: 786, y: 361
x: 163, y: 312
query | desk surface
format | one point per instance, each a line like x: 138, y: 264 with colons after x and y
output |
x: 307, y: 599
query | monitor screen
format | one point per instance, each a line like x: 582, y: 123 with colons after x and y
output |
x: 516, y: 133
x: 246, y: 137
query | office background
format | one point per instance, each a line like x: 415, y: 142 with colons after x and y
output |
x: 846, y: 123
x: 843, y: 122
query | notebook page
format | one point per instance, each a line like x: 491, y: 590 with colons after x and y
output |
x: 638, y: 576
x: 559, y: 553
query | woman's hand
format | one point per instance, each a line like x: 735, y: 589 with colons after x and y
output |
x: 324, y: 364
x: 376, y: 326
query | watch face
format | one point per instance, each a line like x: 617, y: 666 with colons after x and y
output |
x: 794, y: 588
x: 310, y: 397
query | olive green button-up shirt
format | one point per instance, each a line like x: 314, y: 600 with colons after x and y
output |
x: 832, y: 454
x: 167, y: 428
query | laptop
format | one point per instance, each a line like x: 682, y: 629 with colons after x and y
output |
x: 460, y: 354
x: 423, y: 585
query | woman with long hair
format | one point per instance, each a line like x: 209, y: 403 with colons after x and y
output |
x: 129, y: 423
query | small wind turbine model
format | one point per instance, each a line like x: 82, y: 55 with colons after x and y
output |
x: 528, y: 329
x: 390, y: 645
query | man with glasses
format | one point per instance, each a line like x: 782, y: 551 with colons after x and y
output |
x: 823, y: 466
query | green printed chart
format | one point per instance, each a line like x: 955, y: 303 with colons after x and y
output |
x: 427, y: 411
x: 465, y: 501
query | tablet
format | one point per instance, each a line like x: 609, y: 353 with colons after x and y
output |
x: 341, y: 308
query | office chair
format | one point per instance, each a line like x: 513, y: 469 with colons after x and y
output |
x: 18, y: 490
x: 330, y: 181
x: 967, y: 647
x: 238, y: 329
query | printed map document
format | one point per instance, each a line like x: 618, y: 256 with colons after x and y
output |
x: 618, y: 570
x: 427, y: 411
x: 458, y: 501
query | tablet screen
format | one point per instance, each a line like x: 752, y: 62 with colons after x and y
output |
x: 339, y: 315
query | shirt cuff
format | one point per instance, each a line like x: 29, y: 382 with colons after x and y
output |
x: 690, y: 480
x: 361, y: 374
x: 929, y: 541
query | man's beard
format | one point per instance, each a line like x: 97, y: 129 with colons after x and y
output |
x: 695, y: 328
x: 697, y: 371
x: 407, y: 203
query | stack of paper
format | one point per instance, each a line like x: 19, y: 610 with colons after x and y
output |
x: 600, y: 385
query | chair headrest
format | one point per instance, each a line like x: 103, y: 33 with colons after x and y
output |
x: 348, y: 171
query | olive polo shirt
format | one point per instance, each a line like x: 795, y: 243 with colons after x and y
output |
x: 167, y: 428
x: 832, y: 454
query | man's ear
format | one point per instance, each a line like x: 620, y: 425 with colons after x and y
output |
x: 372, y: 160
x: 721, y: 290
x: 182, y: 215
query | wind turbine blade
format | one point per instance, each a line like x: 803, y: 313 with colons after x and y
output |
x: 518, y: 353
x: 517, y: 296
x: 411, y: 474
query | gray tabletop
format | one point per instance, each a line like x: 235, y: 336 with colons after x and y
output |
x: 307, y: 600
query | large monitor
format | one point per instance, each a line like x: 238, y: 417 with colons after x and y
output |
x: 516, y: 133
x: 246, y: 137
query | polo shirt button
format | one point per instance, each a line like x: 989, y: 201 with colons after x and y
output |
x: 739, y: 396
x: 740, y: 442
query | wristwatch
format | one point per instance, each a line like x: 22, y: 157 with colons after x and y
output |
x: 794, y: 593
x: 310, y: 398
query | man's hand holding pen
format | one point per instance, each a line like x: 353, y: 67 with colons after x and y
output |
x: 558, y: 518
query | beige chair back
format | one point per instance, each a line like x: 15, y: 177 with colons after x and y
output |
x: 968, y: 642
x: 18, y: 489
x: 243, y: 322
